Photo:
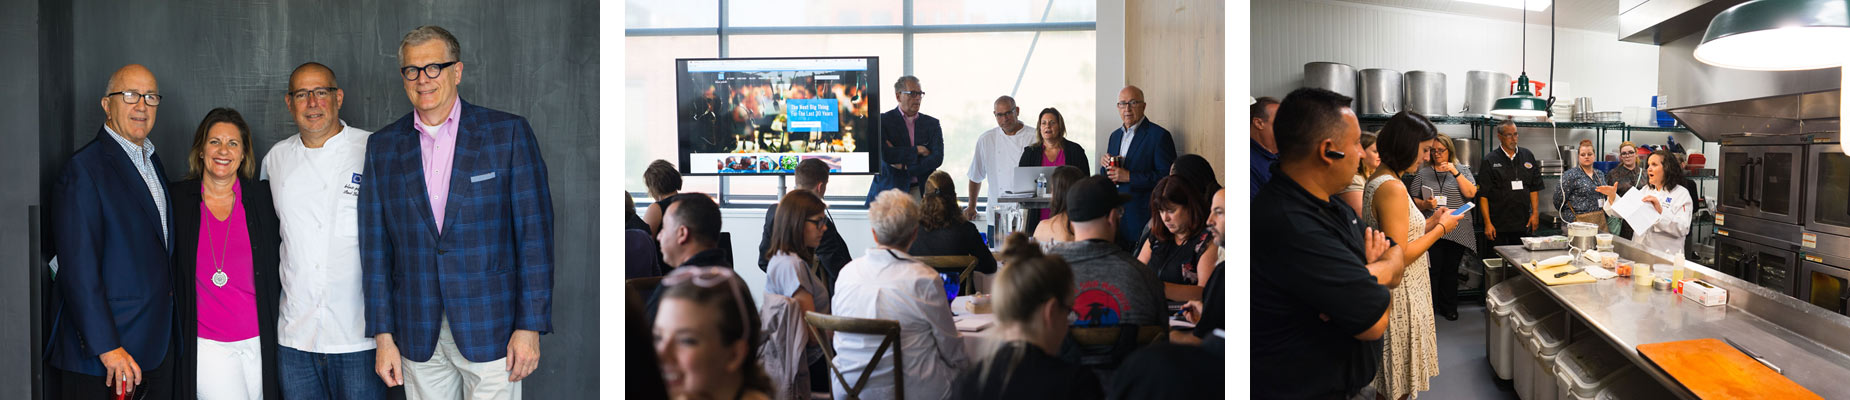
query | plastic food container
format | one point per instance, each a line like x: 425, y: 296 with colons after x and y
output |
x: 1499, y: 302
x: 1530, y: 313
x: 1549, y: 339
x: 1634, y: 384
x: 1584, y: 369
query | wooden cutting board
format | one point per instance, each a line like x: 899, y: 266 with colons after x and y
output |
x: 1547, y: 275
x: 1712, y: 369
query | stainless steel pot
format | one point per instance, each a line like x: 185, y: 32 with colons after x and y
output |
x: 1469, y: 152
x: 1424, y: 92
x: 1482, y: 88
x: 1335, y: 77
x: 1379, y: 93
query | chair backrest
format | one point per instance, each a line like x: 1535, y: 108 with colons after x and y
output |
x: 888, y: 329
x: 960, y: 265
x: 643, y: 287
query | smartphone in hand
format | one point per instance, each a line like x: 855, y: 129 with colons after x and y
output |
x: 1462, y: 209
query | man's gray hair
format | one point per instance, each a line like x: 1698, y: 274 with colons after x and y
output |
x: 900, y: 85
x: 426, y: 33
x: 895, y: 217
x: 1507, y: 123
x: 1007, y: 99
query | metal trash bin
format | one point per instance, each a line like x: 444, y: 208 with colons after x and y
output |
x: 1499, y: 302
x: 1586, y: 368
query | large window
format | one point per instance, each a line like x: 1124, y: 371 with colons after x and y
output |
x: 965, y: 53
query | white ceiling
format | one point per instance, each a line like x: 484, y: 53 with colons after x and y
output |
x: 1592, y: 15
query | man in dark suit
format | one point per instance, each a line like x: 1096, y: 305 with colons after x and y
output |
x: 455, y: 236
x: 114, y: 237
x: 812, y: 175
x: 911, y: 145
x: 1147, y: 150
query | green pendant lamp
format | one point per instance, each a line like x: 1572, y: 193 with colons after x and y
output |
x: 1782, y: 35
x: 1523, y: 103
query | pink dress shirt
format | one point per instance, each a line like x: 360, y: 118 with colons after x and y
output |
x: 438, y: 145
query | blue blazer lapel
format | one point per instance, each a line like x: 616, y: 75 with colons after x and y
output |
x: 415, y: 163
x: 468, y: 146
x: 125, y: 170
x: 167, y: 196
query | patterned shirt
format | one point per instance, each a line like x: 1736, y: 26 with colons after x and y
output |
x: 1578, y: 186
x: 143, y: 158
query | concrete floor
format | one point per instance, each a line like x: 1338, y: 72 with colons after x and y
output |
x: 1464, y: 369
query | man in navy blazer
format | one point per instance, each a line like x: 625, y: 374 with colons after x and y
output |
x: 912, y: 143
x: 455, y: 237
x: 114, y: 235
x: 1147, y: 150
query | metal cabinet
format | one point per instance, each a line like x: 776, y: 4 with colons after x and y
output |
x: 1762, y: 181
x: 1767, y: 266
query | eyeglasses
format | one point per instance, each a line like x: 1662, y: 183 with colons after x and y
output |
x: 1129, y: 103
x: 132, y: 97
x: 429, y: 70
x: 913, y: 92
x: 1506, y: 134
x: 320, y: 93
x: 819, y: 222
x: 708, y: 277
x: 1005, y: 113
x: 1627, y: 153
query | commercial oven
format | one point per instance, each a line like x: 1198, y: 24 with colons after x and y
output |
x: 1824, y: 281
x: 1762, y: 181
x: 1768, y: 266
x: 1827, y: 192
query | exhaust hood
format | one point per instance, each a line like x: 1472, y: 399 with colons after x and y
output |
x: 1718, y: 103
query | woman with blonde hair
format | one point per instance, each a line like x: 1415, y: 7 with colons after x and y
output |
x: 1033, y: 297
x: 1457, y: 186
x: 1371, y: 159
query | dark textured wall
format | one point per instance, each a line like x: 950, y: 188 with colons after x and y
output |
x: 19, y: 80
x: 535, y: 59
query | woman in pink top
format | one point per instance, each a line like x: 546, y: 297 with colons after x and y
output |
x: 1051, y: 149
x: 226, y: 282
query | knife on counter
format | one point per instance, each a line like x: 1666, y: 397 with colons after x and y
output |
x: 1756, y: 357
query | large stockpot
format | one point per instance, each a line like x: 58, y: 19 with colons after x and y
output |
x: 1482, y: 89
x: 1335, y: 77
x: 1468, y: 152
x: 1424, y: 92
x: 1379, y: 93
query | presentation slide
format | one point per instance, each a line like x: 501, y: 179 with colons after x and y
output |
x: 761, y: 116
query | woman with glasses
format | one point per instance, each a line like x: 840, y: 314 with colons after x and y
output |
x: 943, y: 230
x: 1577, y: 199
x: 707, y: 338
x: 796, y: 231
x: 1625, y: 177
x: 1409, y: 356
x: 227, y: 284
x: 1453, y: 186
x: 1032, y: 302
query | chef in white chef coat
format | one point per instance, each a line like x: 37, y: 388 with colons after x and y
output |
x: 315, y: 176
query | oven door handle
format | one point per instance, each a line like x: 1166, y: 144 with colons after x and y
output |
x: 1740, y: 191
x: 1754, y: 175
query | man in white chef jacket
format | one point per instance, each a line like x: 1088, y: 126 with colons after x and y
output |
x: 315, y: 177
x: 998, y: 153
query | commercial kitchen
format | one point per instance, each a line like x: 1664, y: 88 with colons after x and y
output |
x: 1747, y: 93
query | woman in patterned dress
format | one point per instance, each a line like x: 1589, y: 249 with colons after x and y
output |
x: 1409, y: 356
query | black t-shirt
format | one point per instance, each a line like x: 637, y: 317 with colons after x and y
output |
x: 1312, y: 264
x: 1509, y: 206
x: 1175, y: 263
x: 1213, y: 304
x: 1035, y: 375
x: 958, y: 239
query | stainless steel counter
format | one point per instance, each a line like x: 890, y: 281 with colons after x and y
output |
x: 1805, y: 341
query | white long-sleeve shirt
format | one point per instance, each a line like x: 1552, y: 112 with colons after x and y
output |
x: 888, y: 284
x: 317, y: 197
x: 1672, y: 225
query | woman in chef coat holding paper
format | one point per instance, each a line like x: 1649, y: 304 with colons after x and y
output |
x: 1662, y: 194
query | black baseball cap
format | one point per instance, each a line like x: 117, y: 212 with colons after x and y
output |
x: 1093, y: 197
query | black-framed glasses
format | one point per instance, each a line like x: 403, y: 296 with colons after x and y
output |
x: 320, y: 93
x: 1628, y: 153
x: 132, y: 97
x: 431, y: 71
x: 1129, y: 103
x: 912, y: 92
x: 819, y: 222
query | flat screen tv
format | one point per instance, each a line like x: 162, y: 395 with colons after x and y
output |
x: 761, y: 116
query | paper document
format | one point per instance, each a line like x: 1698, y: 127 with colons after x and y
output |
x: 973, y: 323
x: 1635, y: 211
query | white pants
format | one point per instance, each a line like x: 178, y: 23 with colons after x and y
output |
x: 230, y: 370
x: 450, y: 376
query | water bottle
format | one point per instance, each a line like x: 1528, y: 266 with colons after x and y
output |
x: 1040, y: 186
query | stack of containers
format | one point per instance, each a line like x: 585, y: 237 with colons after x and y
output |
x: 1546, y: 341
x: 1531, y: 313
x: 1499, y: 303
x: 1634, y: 384
x: 1586, y: 368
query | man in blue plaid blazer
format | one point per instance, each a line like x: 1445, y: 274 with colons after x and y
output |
x: 455, y: 237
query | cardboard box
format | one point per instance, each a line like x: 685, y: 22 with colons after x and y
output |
x: 1704, y: 293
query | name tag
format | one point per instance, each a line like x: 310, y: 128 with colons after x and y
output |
x: 482, y: 177
x: 1515, y: 185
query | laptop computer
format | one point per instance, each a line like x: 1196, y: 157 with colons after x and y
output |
x: 1021, y: 181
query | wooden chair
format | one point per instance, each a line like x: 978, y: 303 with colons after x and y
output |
x: 888, y: 329
x: 643, y: 287
x: 963, y: 266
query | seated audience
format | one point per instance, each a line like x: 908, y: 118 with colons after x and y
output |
x: 792, y: 270
x: 1057, y: 229
x: 1113, y: 288
x: 1032, y: 299
x: 812, y: 175
x: 706, y: 334
x: 689, y: 236
x: 943, y: 230
x: 886, y: 283
x: 1198, y: 172
x: 663, y: 182
x: 642, y: 256
x: 1180, y: 249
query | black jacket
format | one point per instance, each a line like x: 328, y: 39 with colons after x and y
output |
x: 1075, y: 155
x: 266, y: 239
x: 832, y: 254
x: 959, y: 239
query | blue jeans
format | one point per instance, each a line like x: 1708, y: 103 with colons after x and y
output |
x: 308, y: 375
